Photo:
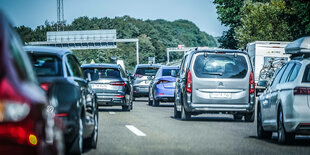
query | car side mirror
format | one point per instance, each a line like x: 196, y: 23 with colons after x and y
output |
x: 263, y: 83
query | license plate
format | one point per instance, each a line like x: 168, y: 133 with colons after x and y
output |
x: 102, y: 86
x: 221, y: 95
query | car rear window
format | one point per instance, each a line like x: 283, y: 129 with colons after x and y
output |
x: 149, y: 71
x: 46, y: 65
x: 220, y: 66
x: 167, y: 72
x: 101, y: 73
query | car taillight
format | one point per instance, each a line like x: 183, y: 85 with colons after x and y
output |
x: 189, y: 82
x: 118, y: 83
x: 120, y: 96
x: 162, y: 81
x: 62, y: 114
x: 251, y: 83
x: 301, y: 91
x: 138, y: 75
x: 45, y: 86
x: 14, y: 108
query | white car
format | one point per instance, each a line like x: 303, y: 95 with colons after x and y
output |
x: 284, y: 107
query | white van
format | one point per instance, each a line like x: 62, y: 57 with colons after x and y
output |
x: 262, y: 52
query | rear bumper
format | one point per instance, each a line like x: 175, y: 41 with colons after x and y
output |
x: 221, y: 107
x: 140, y: 91
x: 71, y: 130
x: 297, y: 117
x: 204, y: 108
x: 110, y: 100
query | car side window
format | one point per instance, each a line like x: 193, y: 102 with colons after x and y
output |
x: 75, y: 67
x: 295, y: 72
x: 183, y: 67
x: 287, y: 72
x: 278, y: 76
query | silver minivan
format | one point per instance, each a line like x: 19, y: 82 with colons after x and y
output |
x: 215, y: 81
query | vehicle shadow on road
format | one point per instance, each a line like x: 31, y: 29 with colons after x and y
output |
x: 101, y: 109
x: 299, y: 140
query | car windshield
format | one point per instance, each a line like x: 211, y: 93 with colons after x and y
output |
x: 149, y: 71
x: 101, y: 73
x: 220, y: 66
x: 46, y: 65
x: 168, y: 72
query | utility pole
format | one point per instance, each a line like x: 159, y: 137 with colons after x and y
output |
x: 60, y: 15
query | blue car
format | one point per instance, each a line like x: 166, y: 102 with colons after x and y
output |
x: 163, y: 85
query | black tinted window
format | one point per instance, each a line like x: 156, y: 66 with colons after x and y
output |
x: 294, y: 73
x: 150, y: 71
x: 101, y: 73
x: 167, y: 72
x: 286, y: 72
x: 46, y: 65
x: 220, y: 66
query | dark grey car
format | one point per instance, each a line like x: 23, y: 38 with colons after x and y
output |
x: 141, y: 82
x: 111, y: 84
x: 214, y: 81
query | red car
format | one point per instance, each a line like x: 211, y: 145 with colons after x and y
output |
x: 27, y: 125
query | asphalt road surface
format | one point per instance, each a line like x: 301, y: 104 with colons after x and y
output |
x: 153, y: 130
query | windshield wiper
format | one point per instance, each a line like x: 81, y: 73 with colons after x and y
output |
x: 214, y: 73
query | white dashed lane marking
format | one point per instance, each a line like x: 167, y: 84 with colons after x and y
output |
x: 135, y: 130
x: 112, y: 113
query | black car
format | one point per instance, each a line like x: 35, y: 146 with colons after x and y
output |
x: 26, y: 127
x: 80, y: 116
x: 111, y: 84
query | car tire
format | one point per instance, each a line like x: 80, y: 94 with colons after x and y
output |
x: 283, y: 136
x: 184, y: 114
x: 177, y: 114
x: 125, y: 108
x: 249, y: 117
x: 150, y: 101
x: 261, y: 133
x: 77, y: 147
x: 155, y: 102
x: 238, y: 117
x: 91, y: 142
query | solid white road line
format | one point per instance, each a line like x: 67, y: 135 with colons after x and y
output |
x: 135, y: 130
x: 112, y: 113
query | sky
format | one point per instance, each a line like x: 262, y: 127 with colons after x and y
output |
x: 32, y: 13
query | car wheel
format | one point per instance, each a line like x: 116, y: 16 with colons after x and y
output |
x: 249, y: 117
x: 238, y: 117
x: 283, y: 136
x: 155, y: 102
x: 185, y: 115
x: 77, y: 147
x: 177, y: 114
x: 261, y: 133
x: 92, y: 141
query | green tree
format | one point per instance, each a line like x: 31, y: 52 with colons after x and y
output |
x: 263, y: 21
